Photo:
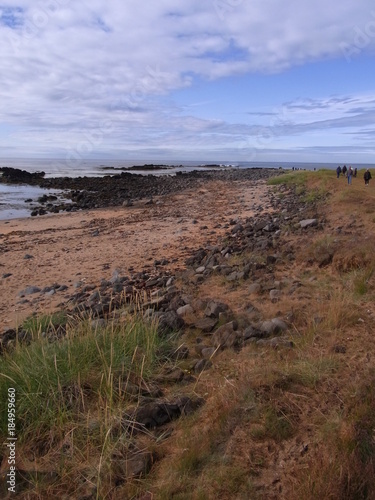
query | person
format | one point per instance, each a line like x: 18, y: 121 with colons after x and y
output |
x: 338, y: 171
x: 349, y: 175
x: 367, y: 177
x: 344, y: 169
x: 355, y: 172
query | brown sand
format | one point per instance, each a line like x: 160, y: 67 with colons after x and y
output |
x: 90, y: 245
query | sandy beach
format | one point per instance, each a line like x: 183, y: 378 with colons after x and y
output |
x: 87, y: 246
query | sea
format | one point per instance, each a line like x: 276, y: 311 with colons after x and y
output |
x: 15, y: 199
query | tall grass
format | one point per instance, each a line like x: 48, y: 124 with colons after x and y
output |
x: 56, y: 381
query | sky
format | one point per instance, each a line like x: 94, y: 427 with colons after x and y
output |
x: 226, y: 80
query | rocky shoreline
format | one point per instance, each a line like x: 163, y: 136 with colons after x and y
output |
x: 173, y: 299
x: 121, y: 189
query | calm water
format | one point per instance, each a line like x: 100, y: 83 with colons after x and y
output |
x: 12, y: 198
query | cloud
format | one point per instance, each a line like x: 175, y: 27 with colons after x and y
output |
x: 70, y: 67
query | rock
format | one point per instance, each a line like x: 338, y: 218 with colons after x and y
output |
x: 206, y: 325
x: 159, y: 413
x: 251, y: 332
x: 339, y: 349
x: 169, y: 321
x: 271, y: 259
x: 214, y: 308
x: 226, y: 336
x: 29, y: 291
x: 208, y: 352
x: 308, y: 223
x: 202, y: 365
x: 275, y: 342
x: 273, y: 327
x: 235, y: 276
x: 184, y: 310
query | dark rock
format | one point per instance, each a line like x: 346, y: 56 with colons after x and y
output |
x: 275, y: 342
x: 158, y: 413
x: 213, y: 309
x: 339, y: 349
x: 29, y: 291
x: 169, y: 322
x: 206, y: 325
x: 226, y: 336
x: 202, y: 365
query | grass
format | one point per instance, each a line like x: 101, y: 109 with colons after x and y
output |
x: 277, y: 423
x: 51, y: 378
x: 36, y: 325
x: 75, y: 391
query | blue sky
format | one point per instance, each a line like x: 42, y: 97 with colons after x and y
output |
x: 230, y: 80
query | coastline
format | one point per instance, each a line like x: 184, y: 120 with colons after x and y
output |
x: 80, y: 248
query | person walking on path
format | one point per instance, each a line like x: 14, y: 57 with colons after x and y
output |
x: 367, y: 177
x: 344, y: 169
x: 338, y: 171
x: 350, y: 174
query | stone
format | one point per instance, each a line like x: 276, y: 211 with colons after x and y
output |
x: 206, y: 325
x: 208, y: 352
x: 273, y: 327
x: 308, y: 223
x: 214, y: 308
x: 202, y: 365
x: 30, y: 290
x: 169, y: 322
x: 184, y: 310
x: 275, y: 342
x: 225, y: 336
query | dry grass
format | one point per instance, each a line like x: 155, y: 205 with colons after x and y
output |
x: 277, y: 423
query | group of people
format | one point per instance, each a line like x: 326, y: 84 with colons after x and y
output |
x: 352, y: 172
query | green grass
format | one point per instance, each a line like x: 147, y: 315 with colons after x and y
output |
x: 36, y: 325
x: 54, y: 381
x: 311, y: 186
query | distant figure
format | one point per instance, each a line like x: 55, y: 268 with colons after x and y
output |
x: 344, y: 169
x: 355, y: 172
x: 350, y: 175
x: 367, y: 177
x: 338, y: 171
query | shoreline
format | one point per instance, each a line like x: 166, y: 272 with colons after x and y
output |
x: 121, y: 189
x: 76, y: 249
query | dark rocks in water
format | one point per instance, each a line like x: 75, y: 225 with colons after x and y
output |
x: 115, y: 190
x: 146, y: 166
x: 16, y: 176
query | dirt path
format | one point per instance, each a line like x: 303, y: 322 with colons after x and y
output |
x: 91, y: 245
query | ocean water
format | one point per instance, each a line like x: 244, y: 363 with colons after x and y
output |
x: 12, y: 198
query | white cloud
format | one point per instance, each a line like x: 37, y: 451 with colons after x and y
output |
x: 70, y: 67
